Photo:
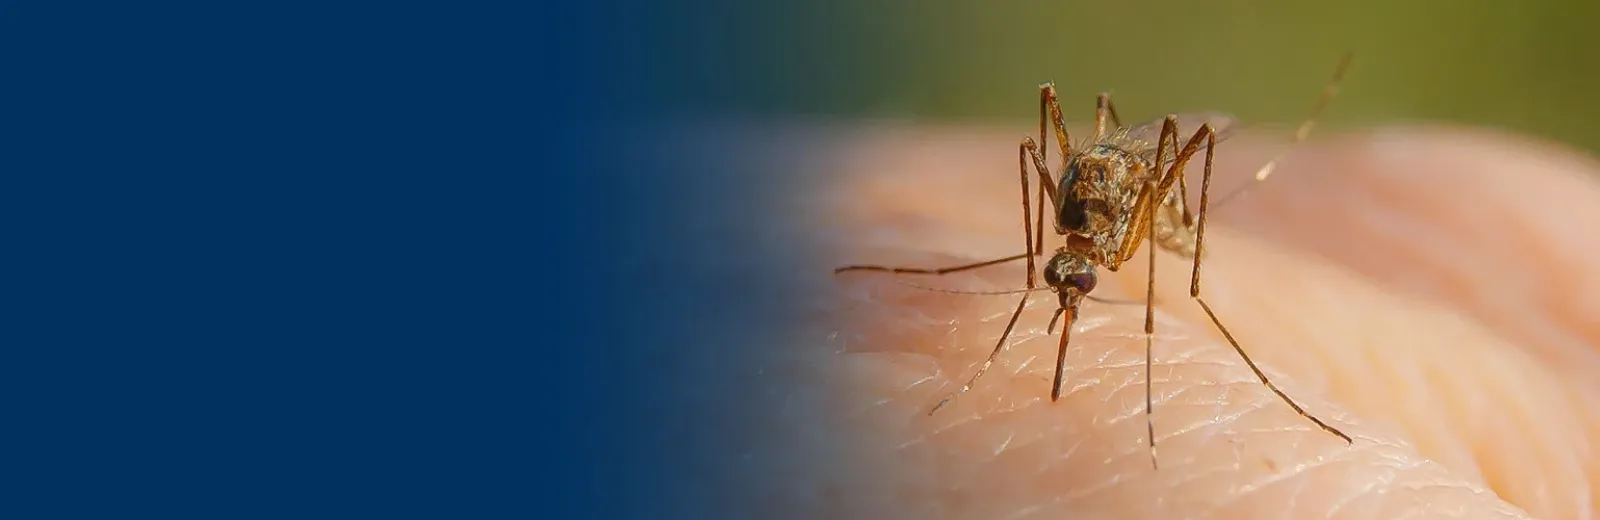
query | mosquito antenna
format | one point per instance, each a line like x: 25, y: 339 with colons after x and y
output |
x: 980, y: 293
x: 1000, y: 292
x: 1112, y: 301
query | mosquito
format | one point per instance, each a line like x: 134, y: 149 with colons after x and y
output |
x: 1112, y: 195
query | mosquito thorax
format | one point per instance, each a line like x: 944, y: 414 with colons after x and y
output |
x: 1084, y: 181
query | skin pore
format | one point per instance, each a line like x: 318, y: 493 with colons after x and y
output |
x: 1430, y: 292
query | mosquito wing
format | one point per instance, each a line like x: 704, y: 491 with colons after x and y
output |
x: 1144, y: 137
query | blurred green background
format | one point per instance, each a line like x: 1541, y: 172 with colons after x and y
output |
x: 1532, y: 67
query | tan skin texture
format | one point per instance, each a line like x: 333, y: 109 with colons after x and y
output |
x: 1431, y: 292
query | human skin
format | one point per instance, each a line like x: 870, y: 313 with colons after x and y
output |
x: 1428, y: 291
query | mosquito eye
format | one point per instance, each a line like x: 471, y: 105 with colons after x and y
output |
x: 1084, y: 282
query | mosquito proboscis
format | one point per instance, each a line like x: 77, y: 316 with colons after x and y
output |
x: 1113, y: 194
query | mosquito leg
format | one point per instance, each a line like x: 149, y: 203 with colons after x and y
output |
x: 1101, y: 114
x: 1047, y: 101
x: 1171, y: 233
x: 1104, y: 109
x: 1142, y: 213
x: 1171, y: 221
x: 1194, y: 292
x: 1169, y: 132
x: 1301, y: 133
x: 1174, y: 172
x: 1027, y: 226
x: 1028, y: 149
x: 1049, y: 104
x: 1304, y: 131
x: 1183, y: 185
x: 1045, y: 179
x: 999, y: 347
x: 1038, y: 224
x: 1150, y: 326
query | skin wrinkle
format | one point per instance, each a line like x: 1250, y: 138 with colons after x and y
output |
x: 1531, y: 495
x: 1383, y: 481
x: 1541, y: 309
x: 1269, y: 480
x: 1531, y: 218
x: 1457, y: 456
x: 1432, y: 248
x: 1135, y: 409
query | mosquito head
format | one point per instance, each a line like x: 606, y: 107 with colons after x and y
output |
x: 1070, y: 275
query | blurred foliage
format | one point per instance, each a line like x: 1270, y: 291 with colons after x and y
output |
x: 1532, y: 67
